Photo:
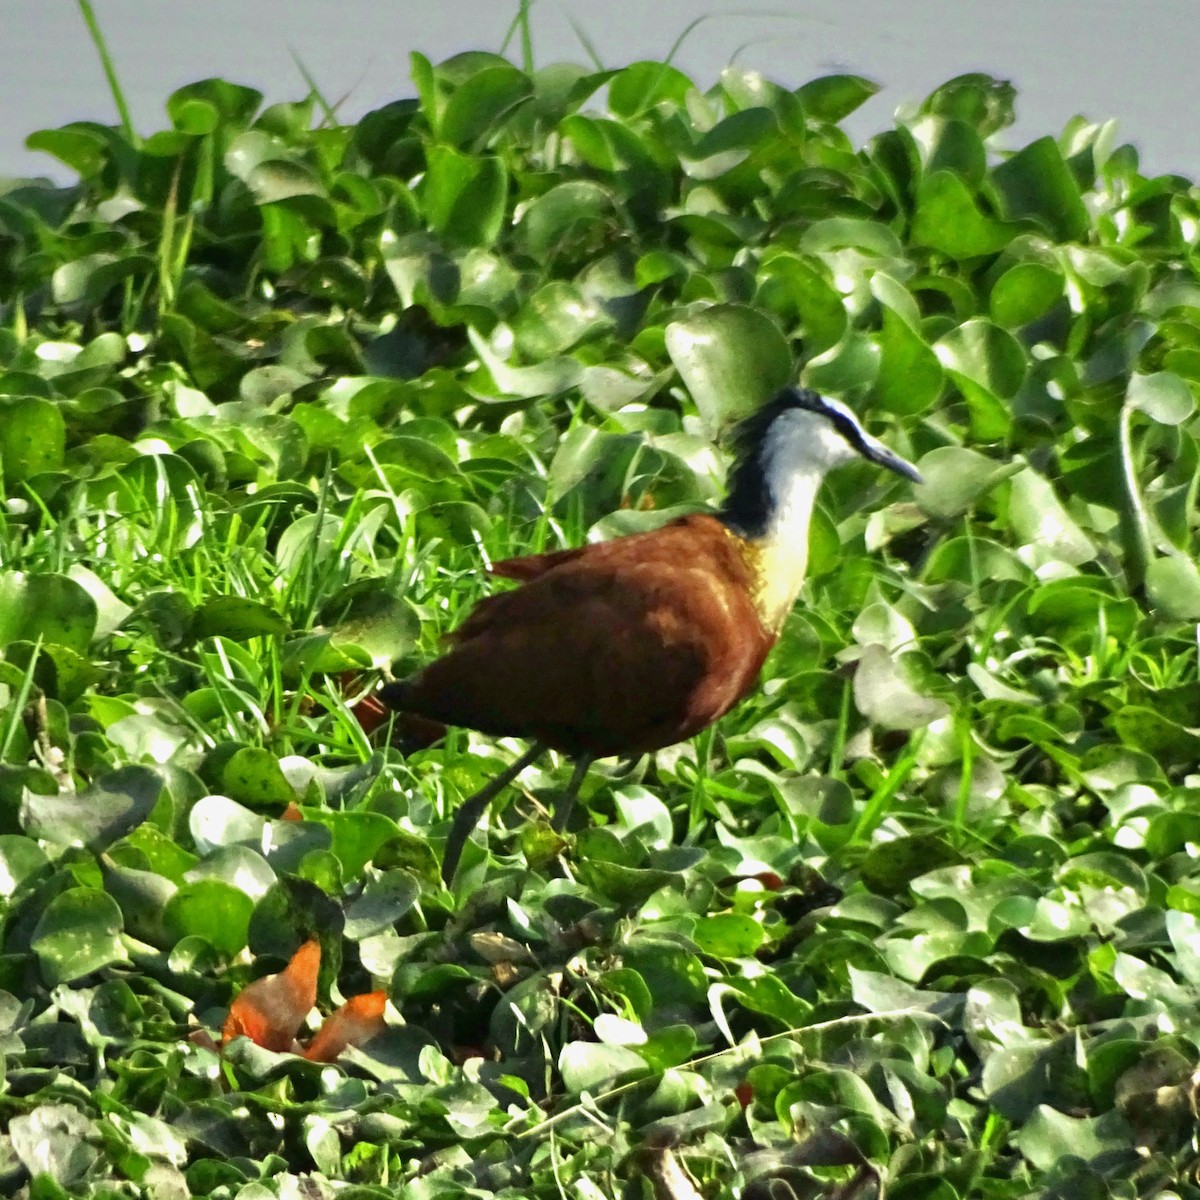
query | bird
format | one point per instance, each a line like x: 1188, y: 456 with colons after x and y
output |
x: 624, y: 647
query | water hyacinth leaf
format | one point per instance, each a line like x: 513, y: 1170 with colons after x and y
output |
x: 141, y: 897
x: 60, y: 673
x: 642, y: 85
x: 795, y: 291
x: 988, y: 365
x: 86, y: 281
x: 586, y: 1066
x: 382, y: 902
x: 883, y: 694
x: 834, y: 97
x: 949, y: 221
x: 217, y: 821
x: 112, y: 807
x: 1023, y: 293
x: 232, y: 104
x: 236, y: 618
x: 56, y: 1142
x: 21, y: 858
x: 463, y: 196
x: 1036, y: 183
x: 728, y: 935
x: 546, y: 378
x: 982, y: 101
x: 375, y: 625
x: 851, y: 365
x: 568, y: 218
x: 213, y: 910
x: 1173, y: 585
x: 1162, y: 396
x: 252, y: 776
x: 1050, y: 1136
x: 111, y: 612
x: 955, y: 477
x: 80, y: 148
x: 78, y: 933
x: 358, y: 836
x: 32, y: 438
x: 732, y: 360
x: 1147, y: 729
x: 237, y: 865
x: 892, y: 865
x: 910, y: 376
x: 1040, y: 520
x: 480, y: 102
x: 167, y: 615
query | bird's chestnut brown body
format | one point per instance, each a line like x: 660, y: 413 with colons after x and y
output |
x: 627, y: 646
x: 620, y: 647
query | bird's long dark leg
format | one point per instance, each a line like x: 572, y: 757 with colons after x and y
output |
x: 471, y: 809
x: 564, y: 805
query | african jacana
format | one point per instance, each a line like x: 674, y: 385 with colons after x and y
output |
x: 627, y: 646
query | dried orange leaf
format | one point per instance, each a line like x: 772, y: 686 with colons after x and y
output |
x: 356, y: 1022
x: 271, y: 1010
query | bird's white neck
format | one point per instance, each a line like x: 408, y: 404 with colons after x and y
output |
x: 779, y: 555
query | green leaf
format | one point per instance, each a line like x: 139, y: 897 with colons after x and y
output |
x: 1173, y: 585
x: 233, y: 103
x: 949, y: 221
x: 571, y: 218
x: 1162, y: 396
x: 32, y: 438
x: 1040, y: 520
x: 481, y: 102
x: 1036, y: 183
x: 1023, y: 293
x: 892, y: 865
x: 252, y: 777
x: 112, y: 807
x: 382, y: 902
x: 732, y: 360
x: 78, y: 933
x: 883, y: 694
x: 1050, y: 1136
x: 910, y: 376
x: 586, y: 1066
x: 213, y: 910
x: 988, y: 365
x: 236, y: 618
x: 643, y: 85
x: 464, y: 196
x: 728, y: 935
x: 21, y: 858
x: 834, y: 97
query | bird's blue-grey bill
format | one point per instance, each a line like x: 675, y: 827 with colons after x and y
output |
x: 886, y: 458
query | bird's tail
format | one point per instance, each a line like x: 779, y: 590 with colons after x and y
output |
x: 412, y: 728
x: 396, y: 694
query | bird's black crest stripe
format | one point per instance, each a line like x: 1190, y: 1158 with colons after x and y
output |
x: 749, y: 502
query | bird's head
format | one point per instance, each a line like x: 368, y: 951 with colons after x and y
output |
x: 797, y: 435
x: 802, y: 430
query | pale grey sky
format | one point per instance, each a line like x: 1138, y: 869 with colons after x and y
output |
x: 1132, y: 59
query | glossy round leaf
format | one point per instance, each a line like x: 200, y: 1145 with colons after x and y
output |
x: 732, y: 360
x: 77, y: 933
x: 1162, y: 396
x: 1173, y: 585
x: 213, y: 910
x: 32, y: 438
x: 1023, y: 293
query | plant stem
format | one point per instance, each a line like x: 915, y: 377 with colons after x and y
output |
x: 110, y: 70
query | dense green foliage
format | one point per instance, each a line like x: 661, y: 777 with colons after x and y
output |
x: 925, y: 909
